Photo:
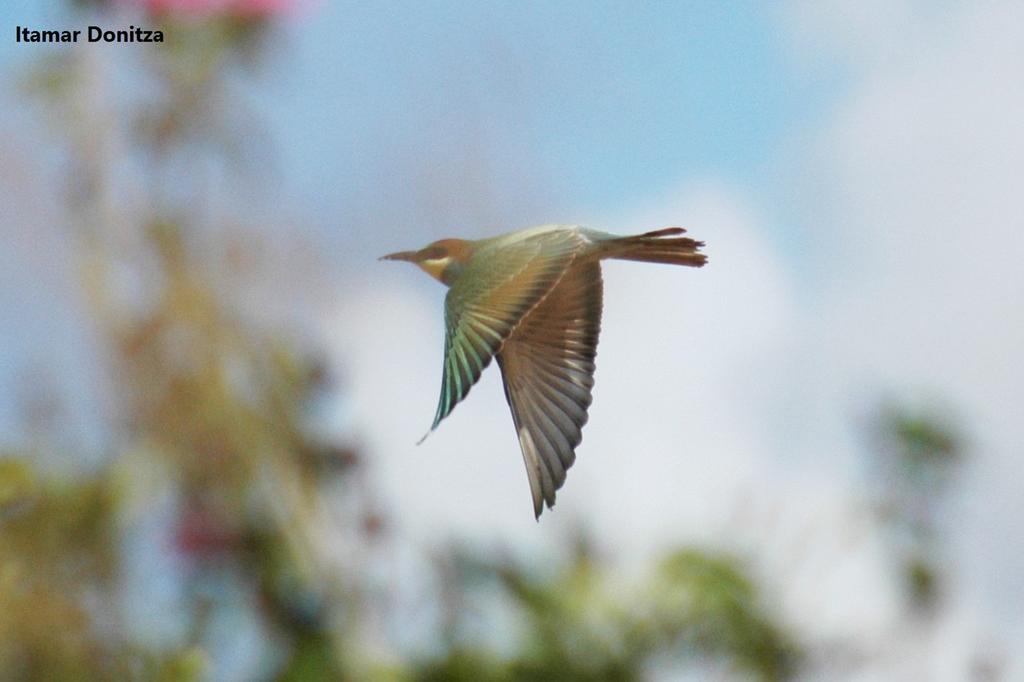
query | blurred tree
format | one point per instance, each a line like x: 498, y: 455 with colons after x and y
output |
x: 215, y: 400
x: 581, y: 623
x: 916, y: 457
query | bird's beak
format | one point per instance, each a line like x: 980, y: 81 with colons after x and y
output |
x: 401, y: 255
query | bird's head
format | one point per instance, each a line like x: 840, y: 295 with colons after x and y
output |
x: 442, y: 260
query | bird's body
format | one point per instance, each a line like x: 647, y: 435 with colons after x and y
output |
x: 532, y: 299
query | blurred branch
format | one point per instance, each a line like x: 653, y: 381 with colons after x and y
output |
x: 579, y: 624
x: 916, y: 459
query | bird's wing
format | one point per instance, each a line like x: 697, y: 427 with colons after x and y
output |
x: 547, y: 366
x: 499, y: 285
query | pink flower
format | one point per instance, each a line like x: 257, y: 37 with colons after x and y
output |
x: 206, y: 8
x: 202, y: 534
x: 185, y: 7
x: 262, y: 8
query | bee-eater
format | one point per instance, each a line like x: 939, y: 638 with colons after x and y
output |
x: 532, y: 299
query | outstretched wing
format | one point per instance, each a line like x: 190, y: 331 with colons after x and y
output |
x: 547, y: 365
x: 501, y: 283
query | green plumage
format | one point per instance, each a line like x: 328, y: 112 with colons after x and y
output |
x: 532, y: 299
x: 491, y: 295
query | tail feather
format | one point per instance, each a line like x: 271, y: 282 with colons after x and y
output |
x: 653, y: 247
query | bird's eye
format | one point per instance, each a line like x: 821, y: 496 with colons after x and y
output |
x: 434, y: 253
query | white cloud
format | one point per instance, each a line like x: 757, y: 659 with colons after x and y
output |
x: 727, y: 401
x: 923, y: 163
x: 927, y: 156
x: 683, y: 442
x: 680, y: 354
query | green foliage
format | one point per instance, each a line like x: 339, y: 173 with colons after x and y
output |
x: 464, y: 665
x: 917, y: 457
x: 709, y: 603
x: 581, y: 623
x: 921, y: 582
x: 56, y: 553
x: 212, y: 401
x: 924, y: 447
x: 17, y: 481
x: 312, y: 660
x: 50, y: 76
x: 216, y: 404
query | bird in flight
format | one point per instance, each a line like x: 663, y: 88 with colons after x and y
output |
x: 532, y: 299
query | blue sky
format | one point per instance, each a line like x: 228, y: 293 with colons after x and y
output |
x: 614, y: 100
x: 514, y: 113
x: 567, y: 111
x: 854, y: 167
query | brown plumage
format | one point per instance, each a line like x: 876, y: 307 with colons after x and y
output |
x: 533, y: 299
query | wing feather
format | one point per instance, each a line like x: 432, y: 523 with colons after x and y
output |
x: 547, y: 366
x: 502, y: 282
